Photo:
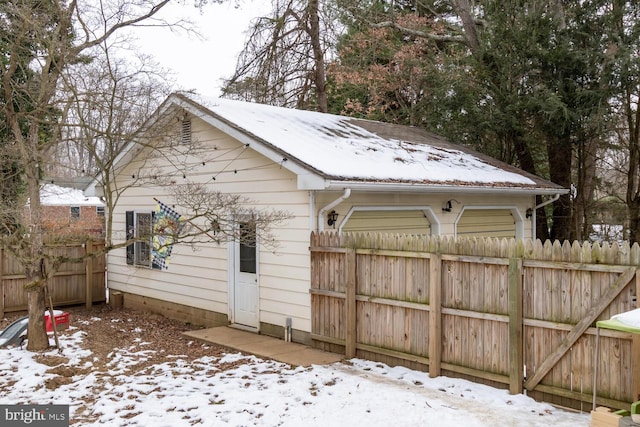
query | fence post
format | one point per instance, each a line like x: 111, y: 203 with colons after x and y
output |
x: 435, y: 314
x: 516, y: 351
x: 88, y: 271
x: 2, y: 283
x: 350, y: 304
x: 635, y: 351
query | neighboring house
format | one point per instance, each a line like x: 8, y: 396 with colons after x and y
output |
x: 68, y: 212
x: 329, y: 172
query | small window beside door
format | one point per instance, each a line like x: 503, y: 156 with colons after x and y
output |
x: 248, y: 252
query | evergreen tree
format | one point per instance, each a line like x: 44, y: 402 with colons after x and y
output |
x: 521, y: 81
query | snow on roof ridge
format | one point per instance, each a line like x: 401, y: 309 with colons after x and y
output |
x: 55, y: 195
x: 341, y: 148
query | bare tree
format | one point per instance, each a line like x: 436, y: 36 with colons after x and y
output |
x: 102, y: 105
x: 41, y: 40
x: 283, y: 62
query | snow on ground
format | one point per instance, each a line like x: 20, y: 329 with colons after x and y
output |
x: 239, y: 390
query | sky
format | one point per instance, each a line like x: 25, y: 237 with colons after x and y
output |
x: 200, y: 64
x: 256, y: 392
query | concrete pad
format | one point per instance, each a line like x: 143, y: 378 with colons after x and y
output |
x: 264, y: 346
x: 310, y: 356
x: 273, y: 346
x: 226, y: 336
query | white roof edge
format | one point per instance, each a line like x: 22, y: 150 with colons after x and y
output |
x: 439, y: 188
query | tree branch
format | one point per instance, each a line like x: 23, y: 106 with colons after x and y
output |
x: 418, y: 33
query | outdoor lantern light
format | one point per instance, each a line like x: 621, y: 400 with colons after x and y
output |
x: 529, y: 213
x: 448, y: 206
x: 215, y: 227
x: 332, y: 218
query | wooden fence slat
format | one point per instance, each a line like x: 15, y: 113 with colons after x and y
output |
x: 2, y: 283
x: 88, y: 262
x: 635, y: 352
x: 516, y: 351
x: 435, y: 315
x: 350, y: 304
x: 606, y: 299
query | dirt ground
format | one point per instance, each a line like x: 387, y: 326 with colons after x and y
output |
x: 117, y: 326
x: 115, y: 329
x: 158, y: 335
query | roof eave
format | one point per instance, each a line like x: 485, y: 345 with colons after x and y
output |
x: 440, y: 188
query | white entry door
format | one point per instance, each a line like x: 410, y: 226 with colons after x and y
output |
x: 245, y: 286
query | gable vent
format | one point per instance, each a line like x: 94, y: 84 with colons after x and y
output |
x: 186, y: 131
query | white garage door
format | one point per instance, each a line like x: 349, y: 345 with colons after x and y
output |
x: 388, y: 221
x: 486, y: 223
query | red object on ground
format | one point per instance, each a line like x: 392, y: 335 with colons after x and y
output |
x: 60, y: 317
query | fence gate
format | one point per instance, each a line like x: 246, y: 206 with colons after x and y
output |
x: 511, y: 314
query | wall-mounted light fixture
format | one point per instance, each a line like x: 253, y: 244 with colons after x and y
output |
x: 332, y: 218
x: 215, y: 227
x: 529, y: 213
x: 448, y: 206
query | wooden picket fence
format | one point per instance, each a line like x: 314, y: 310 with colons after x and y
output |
x: 513, y: 314
x: 73, y: 283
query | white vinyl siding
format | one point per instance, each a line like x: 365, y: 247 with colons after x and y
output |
x: 198, y: 275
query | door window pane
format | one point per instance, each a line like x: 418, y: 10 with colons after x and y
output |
x: 248, y: 251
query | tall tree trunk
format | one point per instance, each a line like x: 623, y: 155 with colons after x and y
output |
x: 633, y: 209
x: 34, y: 260
x: 463, y: 10
x: 633, y: 172
x: 560, y: 158
x: 585, y: 187
x: 542, y: 222
x: 37, y: 334
x: 318, y: 56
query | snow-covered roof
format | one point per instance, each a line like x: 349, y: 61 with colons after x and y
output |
x: 343, y: 149
x: 55, y: 195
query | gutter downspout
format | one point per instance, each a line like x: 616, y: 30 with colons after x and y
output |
x: 312, y: 209
x: 533, y: 215
x: 336, y: 202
